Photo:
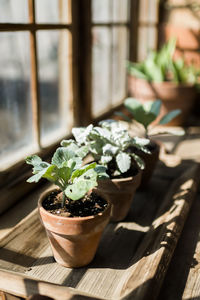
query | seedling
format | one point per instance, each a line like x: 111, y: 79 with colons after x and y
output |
x: 146, y: 113
x: 66, y: 171
x: 108, y: 142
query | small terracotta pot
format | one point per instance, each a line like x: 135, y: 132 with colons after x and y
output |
x: 120, y: 193
x: 150, y: 163
x: 172, y: 95
x: 74, y: 241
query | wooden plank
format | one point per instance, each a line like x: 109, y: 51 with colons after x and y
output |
x: 157, y: 248
x: 132, y: 257
x: 182, y: 278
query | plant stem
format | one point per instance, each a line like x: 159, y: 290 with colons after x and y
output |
x: 63, y: 199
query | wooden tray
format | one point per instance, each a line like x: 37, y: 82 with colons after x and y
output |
x: 133, y: 255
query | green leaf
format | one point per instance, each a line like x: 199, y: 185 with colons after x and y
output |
x: 62, y: 155
x: 168, y: 117
x: 82, y: 151
x: 155, y: 107
x: 66, y: 143
x: 109, y: 149
x: 84, y: 169
x: 82, y: 185
x: 105, y: 159
x: 123, y: 116
x: 140, y: 115
x: 101, y: 172
x: 81, y: 133
x: 138, y: 160
x: 123, y: 161
x: 33, y: 160
x: 48, y: 173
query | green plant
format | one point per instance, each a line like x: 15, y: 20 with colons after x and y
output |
x: 109, y: 142
x: 146, y: 113
x: 66, y: 171
x: 160, y: 66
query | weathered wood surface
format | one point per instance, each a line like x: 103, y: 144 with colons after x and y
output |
x: 182, y: 281
x: 133, y: 255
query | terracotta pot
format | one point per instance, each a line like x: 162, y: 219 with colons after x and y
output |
x: 74, y: 241
x: 173, y: 96
x: 150, y: 163
x: 120, y: 193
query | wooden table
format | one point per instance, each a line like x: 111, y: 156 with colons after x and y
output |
x: 133, y: 259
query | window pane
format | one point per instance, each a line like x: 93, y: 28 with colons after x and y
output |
x: 53, y: 11
x: 120, y: 10
x: 12, y: 12
x: 101, y: 68
x: 55, y: 93
x: 15, y: 105
x: 102, y: 10
x: 148, y: 11
x: 119, y: 50
x: 147, y: 41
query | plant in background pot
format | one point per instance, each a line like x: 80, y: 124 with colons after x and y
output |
x: 147, y: 114
x: 108, y: 143
x: 73, y: 215
x: 160, y: 76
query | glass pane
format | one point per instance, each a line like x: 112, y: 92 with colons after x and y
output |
x: 12, y: 11
x: 147, y: 41
x: 148, y: 10
x: 15, y: 105
x: 54, y: 57
x: 53, y: 11
x: 119, y: 51
x: 120, y: 10
x: 102, y: 10
x: 101, y: 68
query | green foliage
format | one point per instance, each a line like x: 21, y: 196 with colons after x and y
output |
x: 66, y: 171
x: 160, y: 66
x: 110, y: 142
x: 146, y: 113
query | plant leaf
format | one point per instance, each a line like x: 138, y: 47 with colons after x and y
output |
x: 123, y: 161
x: 123, y: 116
x: 155, y: 107
x: 62, y: 155
x: 101, y: 172
x: 84, y: 169
x: 168, y: 117
x: 138, y: 160
x: 82, y: 185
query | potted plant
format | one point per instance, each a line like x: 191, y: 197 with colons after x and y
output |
x: 147, y: 114
x: 73, y: 215
x: 160, y: 76
x: 108, y: 143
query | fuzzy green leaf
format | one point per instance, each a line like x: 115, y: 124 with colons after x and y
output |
x: 82, y: 185
x: 138, y: 160
x: 123, y: 161
x: 81, y: 171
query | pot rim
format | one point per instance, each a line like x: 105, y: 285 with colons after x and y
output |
x: 167, y: 83
x: 72, y: 219
x: 130, y: 178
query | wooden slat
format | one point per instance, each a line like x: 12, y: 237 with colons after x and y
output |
x: 154, y: 255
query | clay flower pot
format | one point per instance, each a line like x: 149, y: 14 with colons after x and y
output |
x: 74, y: 241
x: 150, y: 162
x: 120, y: 193
x: 172, y: 95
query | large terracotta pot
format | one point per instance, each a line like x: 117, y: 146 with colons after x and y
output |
x: 120, y: 193
x: 74, y: 241
x: 173, y: 96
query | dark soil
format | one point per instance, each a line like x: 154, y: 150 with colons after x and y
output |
x: 88, y: 206
x: 112, y: 166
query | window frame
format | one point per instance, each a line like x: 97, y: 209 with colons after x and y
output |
x: 13, y: 179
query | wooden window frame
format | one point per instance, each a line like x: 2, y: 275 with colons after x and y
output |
x: 13, y: 179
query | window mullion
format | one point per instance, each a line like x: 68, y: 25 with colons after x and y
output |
x: 35, y: 95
